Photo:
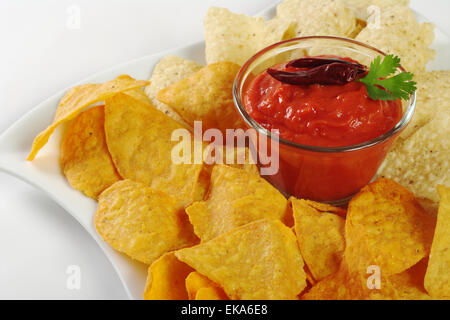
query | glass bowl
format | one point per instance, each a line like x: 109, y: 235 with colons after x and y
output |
x: 326, y: 174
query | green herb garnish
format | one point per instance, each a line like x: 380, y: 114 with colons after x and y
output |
x: 380, y: 87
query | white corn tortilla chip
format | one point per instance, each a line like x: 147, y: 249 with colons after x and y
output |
x: 318, y: 17
x: 168, y: 71
x: 237, y: 37
x: 399, y: 33
x: 362, y: 7
x: 422, y: 161
x: 433, y: 98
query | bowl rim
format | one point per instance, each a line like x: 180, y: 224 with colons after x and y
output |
x: 237, y: 98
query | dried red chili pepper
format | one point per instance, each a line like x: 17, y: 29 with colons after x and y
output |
x: 311, y: 62
x: 320, y: 71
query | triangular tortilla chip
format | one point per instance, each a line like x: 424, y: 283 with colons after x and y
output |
x: 237, y: 37
x: 236, y: 197
x: 165, y: 279
x: 78, y: 98
x: 260, y: 260
x: 168, y: 71
x: 200, y: 287
x: 206, y: 96
x: 318, y: 17
x: 320, y: 237
x: 397, y: 33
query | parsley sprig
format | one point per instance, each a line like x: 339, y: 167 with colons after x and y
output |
x: 380, y: 87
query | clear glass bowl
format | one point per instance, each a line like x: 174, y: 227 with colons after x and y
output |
x: 331, y: 175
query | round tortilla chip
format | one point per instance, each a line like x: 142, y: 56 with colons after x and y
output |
x: 138, y: 221
x: 84, y: 157
x: 139, y: 139
x: 78, y: 98
x: 386, y: 227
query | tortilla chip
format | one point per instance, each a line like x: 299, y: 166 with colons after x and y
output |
x: 138, y: 221
x: 168, y: 71
x: 260, y: 260
x: 240, y: 158
x: 320, y: 237
x: 339, y: 286
x: 84, y: 156
x: 237, y: 37
x: 346, y: 285
x: 324, y: 207
x: 408, y: 285
x: 165, y: 280
x: 422, y: 161
x: 139, y: 141
x: 206, y: 96
x: 235, y: 198
x: 433, y: 99
x: 210, y: 293
x: 196, y: 281
x: 318, y: 17
x: 200, y: 287
x: 78, y: 98
x: 361, y: 7
x: 437, y: 279
x: 400, y: 34
x: 386, y: 227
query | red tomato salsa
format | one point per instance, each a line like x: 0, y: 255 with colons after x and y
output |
x: 319, y: 115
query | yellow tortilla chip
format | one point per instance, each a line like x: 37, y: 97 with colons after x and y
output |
x: 240, y: 158
x: 400, y: 34
x: 138, y: 221
x: 206, y: 96
x: 139, y: 141
x: 320, y: 237
x: 408, y: 285
x: 210, y: 293
x: 386, y: 227
x: 237, y: 37
x: 260, y: 260
x: 78, y: 98
x: 168, y: 71
x: 339, y: 286
x: 422, y: 161
x: 194, y: 282
x: 433, y: 99
x: 324, y: 207
x: 200, y: 287
x: 318, y: 17
x: 437, y: 279
x: 235, y: 198
x: 346, y: 285
x: 165, y: 280
x: 84, y: 157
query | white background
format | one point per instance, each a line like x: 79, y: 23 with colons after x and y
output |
x: 40, y: 55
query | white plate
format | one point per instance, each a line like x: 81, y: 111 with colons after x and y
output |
x: 44, y: 172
